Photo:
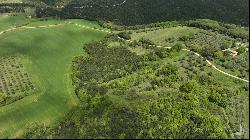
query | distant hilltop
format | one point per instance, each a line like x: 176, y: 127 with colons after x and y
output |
x: 133, y: 12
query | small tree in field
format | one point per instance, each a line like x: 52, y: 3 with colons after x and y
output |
x: 178, y: 47
x: 30, y: 12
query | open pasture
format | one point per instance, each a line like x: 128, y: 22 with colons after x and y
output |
x: 160, y: 36
x: 50, y: 51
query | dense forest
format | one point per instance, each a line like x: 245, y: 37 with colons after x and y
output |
x: 147, y: 11
x: 133, y: 12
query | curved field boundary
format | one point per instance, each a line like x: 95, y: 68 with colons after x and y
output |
x: 27, y: 27
x: 87, y: 27
x: 52, y: 25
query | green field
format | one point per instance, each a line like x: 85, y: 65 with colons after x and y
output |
x: 7, y: 22
x: 50, y: 51
x: 160, y: 35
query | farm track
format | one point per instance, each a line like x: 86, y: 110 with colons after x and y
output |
x: 217, y: 69
x: 210, y: 63
x: 52, y: 25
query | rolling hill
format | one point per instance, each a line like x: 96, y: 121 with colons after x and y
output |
x: 124, y: 69
x: 132, y: 12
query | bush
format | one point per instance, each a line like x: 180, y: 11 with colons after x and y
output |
x: 190, y: 86
x: 241, y: 50
x: 146, y: 41
x: 161, y: 52
x: 124, y: 35
x: 178, y: 47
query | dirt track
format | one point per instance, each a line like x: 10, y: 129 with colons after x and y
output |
x: 213, y: 66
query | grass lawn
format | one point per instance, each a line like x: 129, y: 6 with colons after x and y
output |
x: 50, y: 51
x: 7, y: 22
x: 159, y: 35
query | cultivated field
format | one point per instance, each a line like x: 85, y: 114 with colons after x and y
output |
x: 49, y: 46
x: 15, y: 82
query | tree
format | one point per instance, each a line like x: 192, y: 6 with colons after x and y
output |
x: 196, y: 48
x: 167, y: 69
x: 190, y: 86
x: 151, y: 56
x: 38, y: 131
x: 124, y: 35
x: 185, y: 38
x: 161, y: 52
x: 234, y: 44
x: 241, y: 50
x: 178, y: 47
x: 30, y: 12
x: 146, y: 41
x: 227, y: 53
x: 3, y: 98
x: 170, y: 39
x: 225, y: 46
x: 218, y: 55
x: 207, y: 53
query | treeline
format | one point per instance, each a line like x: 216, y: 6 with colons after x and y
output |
x: 14, y: 7
x: 234, y: 31
x: 166, y: 24
x: 136, y: 12
x: 228, y: 29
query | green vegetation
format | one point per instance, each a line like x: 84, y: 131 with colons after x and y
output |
x: 7, y: 22
x: 162, y: 93
x: 50, y: 52
x: 229, y: 11
x: 15, y: 82
x: 165, y: 37
x: 228, y: 29
x: 131, y: 12
x: 210, y: 43
x: 124, y: 35
x: 168, y: 69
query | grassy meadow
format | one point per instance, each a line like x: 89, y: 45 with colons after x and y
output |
x: 160, y: 35
x: 50, y: 52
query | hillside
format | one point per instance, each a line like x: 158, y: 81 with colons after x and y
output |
x: 167, y: 81
x: 131, y: 12
x: 124, y: 69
